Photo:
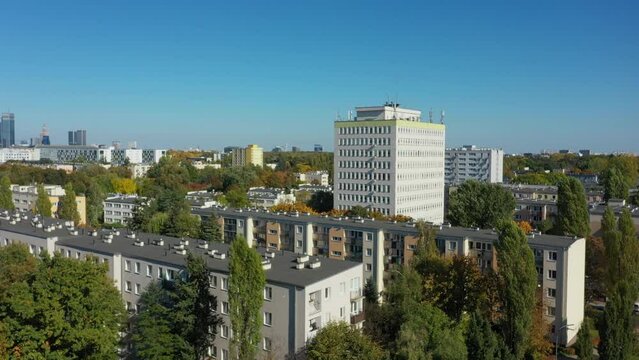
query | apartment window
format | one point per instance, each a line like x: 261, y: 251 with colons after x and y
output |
x: 552, y: 274
x: 213, y: 281
x: 336, y: 253
x: 77, y: 255
x: 68, y: 251
x: 369, y: 252
x: 327, y: 293
x: 550, y: 311
x: 369, y: 267
x: 552, y: 256
x: 452, y: 246
x: 224, y: 332
x: 225, y: 283
x: 160, y: 272
x: 225, y: 307
x: 127, y: 287
x: 268, y: 293
x: 267, y: 344
x: 41, y: 250
x: 336, y: 238
x: 127, y: 265
x: 299, y: 243
x: 213, y: 351
x: 298, y: 229
x: 268, y: 318
x: 552, y: 292
x: 225, y: 354
x: 137, y: 289
x: 149, y: 270
x: 342, y: 311
x: 137, y: 268
x: 354, y: 307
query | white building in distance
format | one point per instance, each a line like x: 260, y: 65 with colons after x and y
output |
x: 313, y: 177
x: 19, y: 154
x: 470, y: 162
x: 388, y: 160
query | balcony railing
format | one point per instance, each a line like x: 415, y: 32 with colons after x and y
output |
x: 356, y: 294
x: 357, y: 318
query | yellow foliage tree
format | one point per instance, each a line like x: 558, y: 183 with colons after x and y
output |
x: 293, y: 207
x: 525, y: 226
x: 124, y: 186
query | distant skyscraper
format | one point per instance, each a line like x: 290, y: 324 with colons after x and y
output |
x: 44, y: 136
x: 390, y: 161
x: 78, y: 137
x: 8, y: 130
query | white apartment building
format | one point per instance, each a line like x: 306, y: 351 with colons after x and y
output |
x: 470, y: 162
x: 388, y: 160
x: 267, y: 197
x: 19, y: 154
x: 119, y: 209
x: 313, y: 177
x: 302, y: 293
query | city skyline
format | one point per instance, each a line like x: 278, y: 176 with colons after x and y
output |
x: 518, y: 77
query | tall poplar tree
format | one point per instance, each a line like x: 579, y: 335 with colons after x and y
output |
x: 68, y: 208
x: 6, y: 199
x: 519, y: 280
x: 210, y: 229
x: 481, y: 341
x: 43, y: 204
x: 615, y: 184
x: 572, y: 209
x: 246, y: 286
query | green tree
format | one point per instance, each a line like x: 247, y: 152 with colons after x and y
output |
x: 572, y: 209
x: 518, y: 279
x: 182, y: 224
x: 481, y: 340
x: 236, y: 198
x: 615, y: 184
x: 64, y: 309
x: 68, y: 208
x: 371, y: 295
x: 480, y: 204
x: 338, y: 340
x: 321, y: 201
x: 210, y: 229
x: 43, y: 204
x: 463, y: 287
x: 584, y: 346
x: 16, y: 265
x: 95, y: 199
x: 429, y: 334
x: 6, y: 199
x: 618, y: 340
x: 178, y: 319
x: 246, y: 286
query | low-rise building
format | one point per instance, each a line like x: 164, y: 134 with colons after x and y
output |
x: 535, y: 211
x: 302, y: 293
x: 313, y: 177
x: 19, y: 154
x: 25, y: 197
x: 267, y: 197
x: 139, y: 170
x: 119, y: 209
x: 379, y: 245
x: 201, y: 199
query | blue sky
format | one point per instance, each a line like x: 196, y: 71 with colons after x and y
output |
x: 522, y: 75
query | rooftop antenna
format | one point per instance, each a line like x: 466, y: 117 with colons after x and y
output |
x: 441, y: 121
x: 430, y: 115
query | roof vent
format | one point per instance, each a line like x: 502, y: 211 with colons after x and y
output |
x: 138, y: 243
x: 73, y: 232
x: 299, y: 266
x: 94, y: 233
x: 181, y: 252
x: 108, y: 240
x: 315, y: 264
x: 184, y: 242
x: 116, y: 232
x: 130, y: 236
x: 203, y: 245
x: 59, y: 226
x: 159, y: 242
x: 269, y: 254
x: 266, y: 264
x: 302, y: 259
x: 179, y: 247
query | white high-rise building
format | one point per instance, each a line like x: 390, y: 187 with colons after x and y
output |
x: 469, y: 162
x: 388, y: 160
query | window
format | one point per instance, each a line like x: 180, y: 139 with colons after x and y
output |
x: 127, y: 265
x: 77, y: 254
x: 336, y: 253
x: 213, y: 351
x: 137, y: 289
x: 552, y: 256
x: 267, y: 344
x: 550, y: 311
x: 160, y: 272
x: 551, y: 292
x: 268, y: 293
x: 127, y: 286
x: 225, y: 354
x: 369, y: 267
x: 336, y: 238
x: 452, y: 246
x: 225, y: 283
x: 149, y: 270
x: 224, y: 332
x: 298, y: 229
x: 137, y: 267
x: 299, y: 243
x: 327, y: 293
x: 268, y: 318
x: 68, y: 251
x: 354, y: 307
x: 225, y: 307
x: 32, y: 249
x: 552, y: 274
x: 41, y: 250
x: 342, y: 311
x: 213, y: 281
x: 369, y: 252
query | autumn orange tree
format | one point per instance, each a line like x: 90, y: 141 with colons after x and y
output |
x: 525, y: 226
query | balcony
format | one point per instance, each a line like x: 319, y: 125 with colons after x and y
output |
x: 356, y: 294
x: 357, y: 318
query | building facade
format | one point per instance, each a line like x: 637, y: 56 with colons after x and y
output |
x: 387, y: 160
x: 380, y: 245
x: 469, y: 162
x: 250, y: 155
x: 19, y: 154
x: 77, y: 137
x: 7, y: 130
x: 25, y: 197
x: 119, y: 209
x: 302, y: 293
x: 313, y: 177
x: 267, y: 197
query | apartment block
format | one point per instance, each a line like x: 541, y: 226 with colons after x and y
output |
x: 250, y: 155
x: 387, y: 160
x: 302, y: 293
x: 25, y: 198
x: 313, y: 177
x: 470, y: 162
x: 379, y: 245
x: 119, y: 209
x: 19, y: 154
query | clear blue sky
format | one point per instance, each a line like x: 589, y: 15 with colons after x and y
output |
x: 522, y: 75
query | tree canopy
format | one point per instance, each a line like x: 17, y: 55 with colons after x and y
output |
x: 572, y: 209
x: 68, y: 207
x: 338, y: 340
x: 6, y: 198
x: 480, y: 204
